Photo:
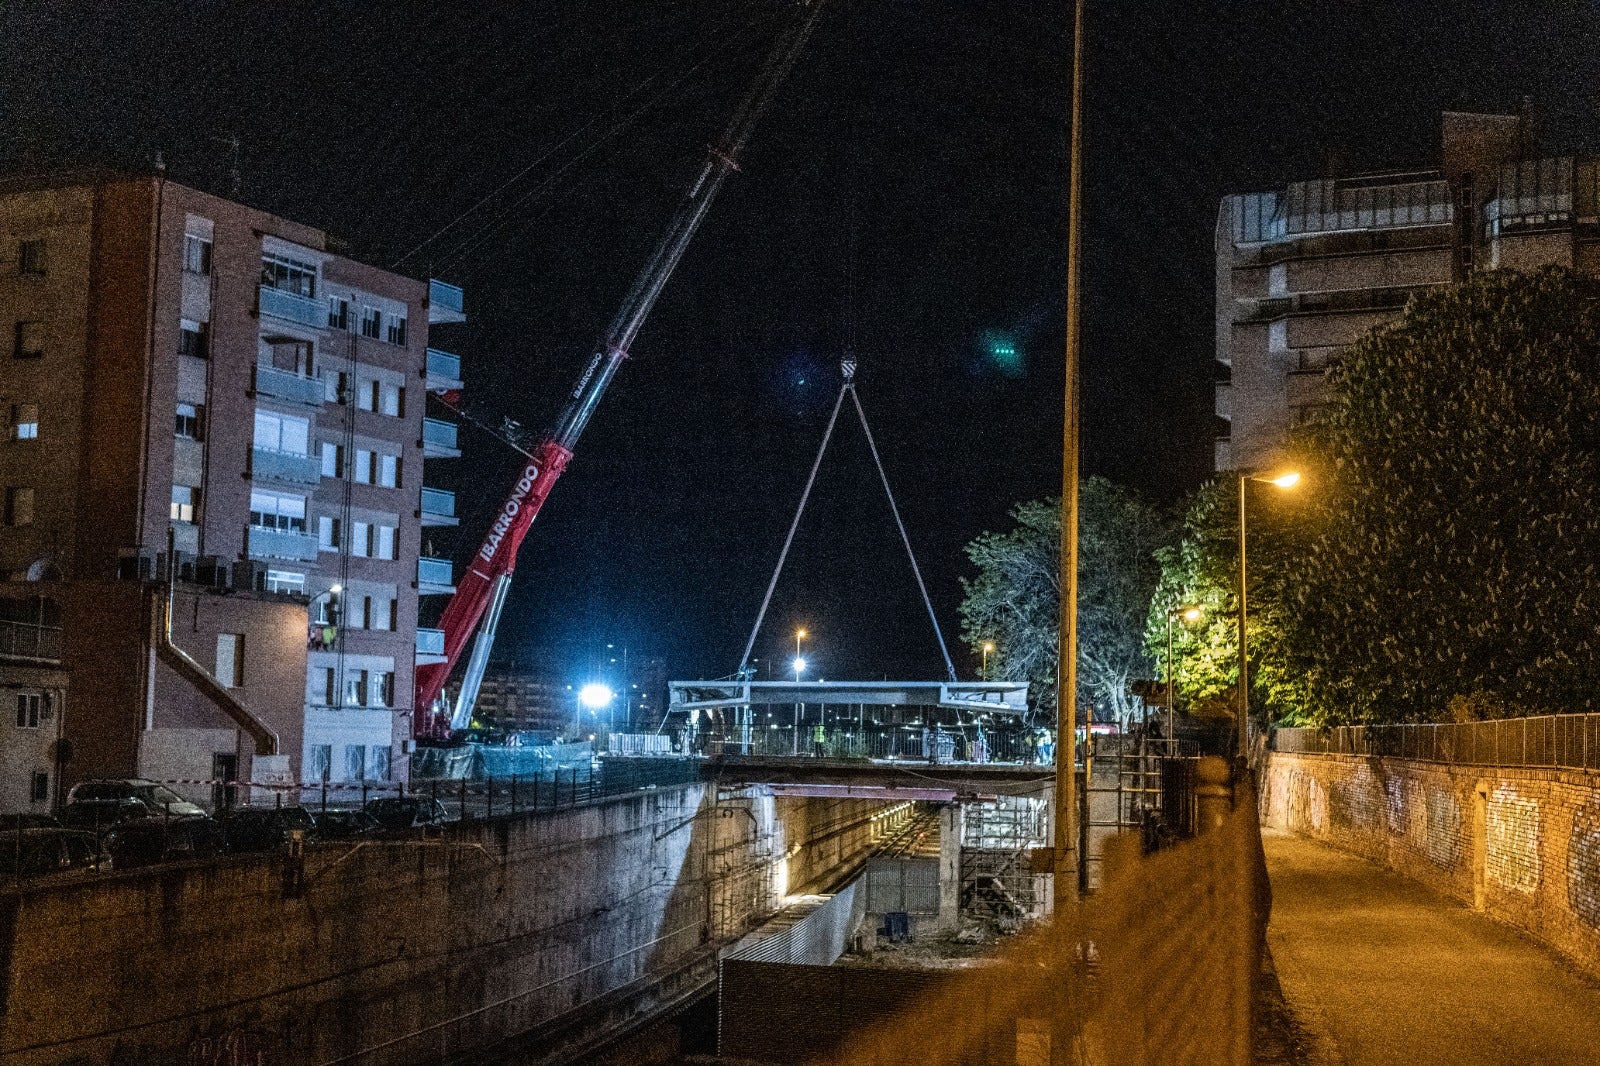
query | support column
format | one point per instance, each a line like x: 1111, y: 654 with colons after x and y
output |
x: 951, y: 822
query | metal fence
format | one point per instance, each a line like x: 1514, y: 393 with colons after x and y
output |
x: 1005, y: 745
x: 1549, y: 741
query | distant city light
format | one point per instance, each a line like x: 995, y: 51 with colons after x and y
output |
x: 595, y: 696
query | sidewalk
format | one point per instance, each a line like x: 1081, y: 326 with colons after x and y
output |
x: 1378, y: 969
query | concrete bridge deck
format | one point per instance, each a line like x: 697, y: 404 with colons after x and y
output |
x: 860, y: 778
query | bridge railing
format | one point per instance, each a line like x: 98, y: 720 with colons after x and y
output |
x: 912, y: 743
x: 1557, y: 741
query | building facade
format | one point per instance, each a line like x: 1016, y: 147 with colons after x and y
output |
x: 1304, y: 270
x: 214, y: 509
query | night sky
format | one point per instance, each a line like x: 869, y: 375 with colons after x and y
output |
x: 913, y: 169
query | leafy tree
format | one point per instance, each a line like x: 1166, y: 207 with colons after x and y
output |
x: 1015, y: 599
x: 1450, y: 554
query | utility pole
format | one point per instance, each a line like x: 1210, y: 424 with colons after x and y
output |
x: 1067, y: 860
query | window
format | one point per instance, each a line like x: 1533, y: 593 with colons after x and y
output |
x: 19, y: 506
x: 378, y: 765
x: 325, y: 610
x: 338, y: 312
x: 391, y: 400
x: 371, y: 322
x: 380, y: 690
x: 189, y: 421
x: 355, y: 688
x: 355, y: 762
x: 363, y: 474
x: 321, y: 762
x: 332, y: 459
x: 28, y: 705
x: 39, y: 785
x: 24, y: 421
x: 367, y: 395
x: 196, y: 254
x: 185, y: 503
x: 278, y: 510
x: 327, y: 534
x: 377, y: 612
x: 361, y: 539
x: 336, y: 387
x: 30, y: 259
x: 230, y: 659
x: 289, y: 275
x: 396, y: 333
x: 194, y: 338
x: 285, y: 581
x: 29, y: 340
x: 282, y: 433
x: 389, y: 471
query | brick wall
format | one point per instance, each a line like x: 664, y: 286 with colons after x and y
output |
x: 1523, y: 845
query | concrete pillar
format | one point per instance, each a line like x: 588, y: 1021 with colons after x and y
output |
x: 1213, y: 792
x: 951, y: 821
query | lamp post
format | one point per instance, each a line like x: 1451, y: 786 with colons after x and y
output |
x: 1286, y: 480
x: 1188, y: 614
x: 988, y: 646
x: 799, y: 708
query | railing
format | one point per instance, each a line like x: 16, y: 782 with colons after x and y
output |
x: 292, y: 307
x: 439, y: 503
x: 268, y: 543
x: 445, y: 303
x: 430, y: 642
x: 1554, y: 741
x: 25, y: 640
x: 435, y: 572
x: 910, y: 743
x: 438, y: 433
x: 285, y: 466
x: 443, y: 366
x: 283, y: 385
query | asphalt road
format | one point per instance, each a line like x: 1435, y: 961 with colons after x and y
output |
x: 1378, y: 969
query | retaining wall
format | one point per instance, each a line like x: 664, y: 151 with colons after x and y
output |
x: 1520, y: 844
x: 557, y: 926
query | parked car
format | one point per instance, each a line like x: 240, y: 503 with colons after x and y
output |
x: 101, y: 816
x: 406, y: 812
x: 27, y: 820
x: 34, y: 853
x: 147, y: 841
x: 341, y: 824
x: 262, y: 828
x: 159, y: 799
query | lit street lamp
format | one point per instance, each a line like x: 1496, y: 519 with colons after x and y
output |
x: 1287, y: 480
x: 597, y: 697
x: 988, y: 646
x: 799, y: 708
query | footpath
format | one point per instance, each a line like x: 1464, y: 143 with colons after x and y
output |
x: 1377, y: 969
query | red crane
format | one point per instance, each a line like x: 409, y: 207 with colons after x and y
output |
x: 480, y: 593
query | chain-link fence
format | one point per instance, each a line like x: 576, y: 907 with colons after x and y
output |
x: 1551, y: 741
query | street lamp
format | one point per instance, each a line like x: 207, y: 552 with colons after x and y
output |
x: 1286, y: 480
x: 1188, y: 614
x: 597, y: 697
x: 988, y: 646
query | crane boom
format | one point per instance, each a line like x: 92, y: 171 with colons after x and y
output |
x: 481, y: 590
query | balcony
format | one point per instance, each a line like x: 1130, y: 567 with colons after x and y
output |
x: 24, y: 640
x: 444, y: 303
x: 439, y: 439
x: 430, y: 646
x: 435, y: 577
x: 444, y: 371
x: 438, y: 507
x: 266, y: 543
x: 282, y: 385
x: 271, y: 464
x: 292, y: 307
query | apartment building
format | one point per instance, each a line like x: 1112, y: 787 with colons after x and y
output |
x: 1304, y: 270
x: 211, y: 549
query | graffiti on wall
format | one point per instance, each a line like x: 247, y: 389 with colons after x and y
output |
x: 1583, y: 864
x: 1513, y: 840
x: 1443, y: 837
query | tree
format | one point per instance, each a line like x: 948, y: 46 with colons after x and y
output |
x: 1451, y: 549
x: 1015, y: 599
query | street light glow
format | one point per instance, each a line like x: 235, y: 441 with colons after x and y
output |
x: 1286, y: 480
x: 595, y: 696
x: 799, y: 665
x: 1192, y: 614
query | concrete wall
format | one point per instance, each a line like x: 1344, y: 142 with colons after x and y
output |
x: 410, y: 951
x: 1522, y: 845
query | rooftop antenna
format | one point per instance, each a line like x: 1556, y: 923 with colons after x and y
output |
x: 234, y: 144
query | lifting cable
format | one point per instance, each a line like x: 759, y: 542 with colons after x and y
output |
x: 849, y: 386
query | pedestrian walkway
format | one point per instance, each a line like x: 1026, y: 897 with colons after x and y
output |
x: 1379, y: 969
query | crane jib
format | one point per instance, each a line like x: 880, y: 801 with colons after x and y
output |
x: 508, y: 513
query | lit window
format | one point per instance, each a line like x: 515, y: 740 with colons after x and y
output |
x: 28, y: 704
x: 285, y: 581
x: 363, y: 474
x: 196, y: 254
x: 371, y: 322
x: 189, y: 421
x: 29, y: 340
x: 30, y: 257
x: 389, y: 471
x: 338, y: 312
x: 185, y: 503
x: 24, y: 421
x: 193, y: 339
x: 278, y: 510
x: 396, y: 333
x: 19, y: 506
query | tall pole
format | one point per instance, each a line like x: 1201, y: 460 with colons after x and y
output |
x: 1066, y: 828
x: 1169, y: 681
x: 1242, y: 696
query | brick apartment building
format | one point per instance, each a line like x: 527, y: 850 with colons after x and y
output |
x: 187, y: 370
x: 1304, y: 270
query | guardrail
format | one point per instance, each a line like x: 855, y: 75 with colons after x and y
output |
x: 1554, y: 741
x: 293, y: 307
x: 24, y: 640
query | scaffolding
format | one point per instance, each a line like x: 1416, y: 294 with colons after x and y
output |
x: 997, y: 840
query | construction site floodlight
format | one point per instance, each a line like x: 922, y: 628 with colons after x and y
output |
x: 595, y: 696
